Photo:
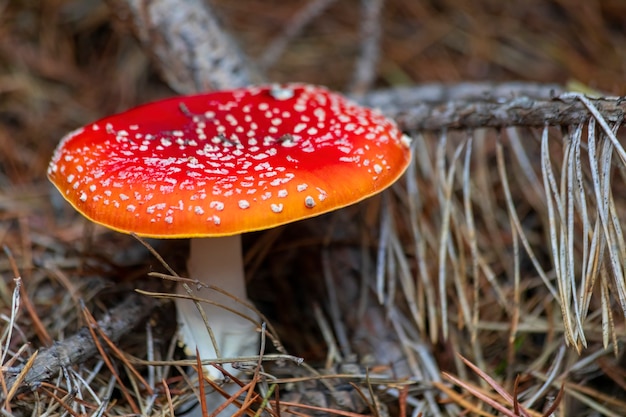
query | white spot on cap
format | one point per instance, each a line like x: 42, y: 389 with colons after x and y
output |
x: 243, y: 204
x: 276, y: 208
x: 217, y: 205
x: 151, y: 209
x: 322, y: 196
x: 281, y: 93
x: 301, y: 187
x: 83, y: 197
x: 378, y: 169
x: 282, y: 193
x: 309, y: 201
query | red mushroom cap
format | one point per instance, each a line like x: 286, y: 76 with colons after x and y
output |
x: 228, y: 162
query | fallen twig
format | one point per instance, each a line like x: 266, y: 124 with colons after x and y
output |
x: 193, y: 52
x: 435, y: 107
x: 81, y: 346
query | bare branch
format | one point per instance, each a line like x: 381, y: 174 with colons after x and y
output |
x: 434, y: 107
x: 365, y: 70
x: 407, y: 96
x: 81, y: 347
x: 191, y: 49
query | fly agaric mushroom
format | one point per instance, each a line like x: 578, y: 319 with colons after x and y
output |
x: 212, y: 166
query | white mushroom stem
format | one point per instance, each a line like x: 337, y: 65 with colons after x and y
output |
x: 216, y: 262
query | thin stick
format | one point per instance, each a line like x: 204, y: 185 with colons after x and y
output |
x: 294, y: 27
x: 365, y: 70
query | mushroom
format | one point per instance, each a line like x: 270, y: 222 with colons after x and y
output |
x: 212, y: 166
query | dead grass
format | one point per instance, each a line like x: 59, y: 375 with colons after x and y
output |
x: 461, y: 253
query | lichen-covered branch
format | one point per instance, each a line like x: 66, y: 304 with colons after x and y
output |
x: 435, y: 107
x: 189, y: 46
x: 406, y: 96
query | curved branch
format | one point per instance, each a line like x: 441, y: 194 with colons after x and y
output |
x: 193, y: 52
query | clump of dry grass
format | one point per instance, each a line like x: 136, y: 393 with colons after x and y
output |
x: 489, y: 281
